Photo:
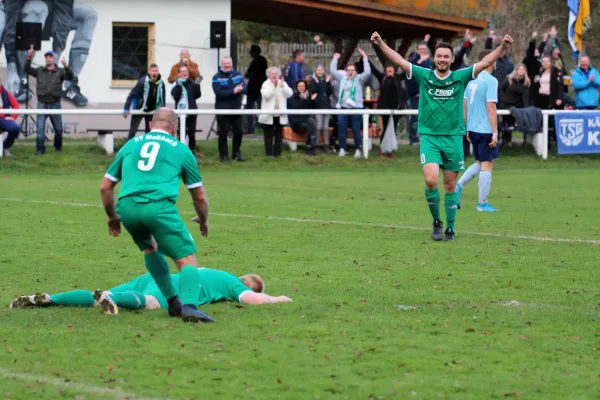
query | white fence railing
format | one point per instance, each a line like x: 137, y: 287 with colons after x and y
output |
x: 541, y: 146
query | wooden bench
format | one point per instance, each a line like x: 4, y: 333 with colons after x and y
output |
x: 292, y: 138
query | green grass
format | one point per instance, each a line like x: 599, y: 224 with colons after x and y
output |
x: 344, y: 336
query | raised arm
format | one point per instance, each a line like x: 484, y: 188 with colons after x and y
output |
x: 391, y: 54
x: 494, y: 55
x: 338, y: 75
x: 253, y: 298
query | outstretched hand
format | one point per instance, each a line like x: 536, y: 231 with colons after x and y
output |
x: 376, y: 38
x: 507, y: 42
x: 362, y: 53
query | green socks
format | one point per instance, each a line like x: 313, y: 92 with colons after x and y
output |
x: 189, y: 285
x: 159, y: 269
x: 433, y: 200
x: 451, y: 205
x: 77, y: 298
x: 131, y: 300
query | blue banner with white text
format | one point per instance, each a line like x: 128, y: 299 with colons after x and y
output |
x: 578, y: 132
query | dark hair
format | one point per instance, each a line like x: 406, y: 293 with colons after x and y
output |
x: 301, y: 81
x: 152, y: 66
x: 390, y: 64
x: 484, y: 53
x: 255, y: 49
x: 296, y: 52
x: 444, y: 45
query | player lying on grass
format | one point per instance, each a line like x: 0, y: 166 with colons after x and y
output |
x: 441, y: 123
x: 143, y: 293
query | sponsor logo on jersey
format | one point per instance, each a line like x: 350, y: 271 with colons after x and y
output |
x: 441, y: 92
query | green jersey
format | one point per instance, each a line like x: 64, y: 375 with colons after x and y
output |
x: 217, y: 286
x: 150, y: 167
x: 441, y: 100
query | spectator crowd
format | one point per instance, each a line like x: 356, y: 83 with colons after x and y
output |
x: 539, y: 81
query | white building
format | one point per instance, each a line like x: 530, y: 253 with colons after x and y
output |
x: 123, y: 38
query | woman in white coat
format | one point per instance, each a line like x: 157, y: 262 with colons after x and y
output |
x: 275, y: 92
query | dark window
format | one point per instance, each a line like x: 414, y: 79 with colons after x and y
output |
x: 129, y: 52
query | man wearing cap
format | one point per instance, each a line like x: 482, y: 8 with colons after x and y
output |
x: 50, y: 79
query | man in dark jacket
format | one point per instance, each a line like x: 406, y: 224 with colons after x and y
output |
x: 256, y: 75
x: 7, y: 122
x: 503, y: 66
x: 297, y: 70
x: 50, y: 79
x: 229, y: 87
x: 148, y: 95
x: 185, y: 92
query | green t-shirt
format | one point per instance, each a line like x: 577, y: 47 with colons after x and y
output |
x: 219, y: 286
x: 441, y: 100
x: 150, y: 167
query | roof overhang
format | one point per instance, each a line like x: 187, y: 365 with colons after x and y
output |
x: 353, y: 18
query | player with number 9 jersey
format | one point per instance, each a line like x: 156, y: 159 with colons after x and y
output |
x: 150, y: 168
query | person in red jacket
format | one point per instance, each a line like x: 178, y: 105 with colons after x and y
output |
x: 7, y: 122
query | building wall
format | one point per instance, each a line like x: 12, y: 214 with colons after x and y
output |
x: 177, y: 24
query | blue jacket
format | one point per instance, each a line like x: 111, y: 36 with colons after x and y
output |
x: 294, y: 74
x: 223, y: 84
x: 411, y: 85
x: 586, y: 92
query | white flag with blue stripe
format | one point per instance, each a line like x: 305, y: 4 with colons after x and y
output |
x: 573, y: 11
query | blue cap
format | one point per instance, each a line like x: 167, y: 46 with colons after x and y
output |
x: 49, y: 53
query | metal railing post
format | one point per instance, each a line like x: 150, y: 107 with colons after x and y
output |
x: 365, y: 124
x: 545, y: 119
x: 182, y: 127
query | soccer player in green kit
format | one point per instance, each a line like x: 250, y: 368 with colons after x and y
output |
x: 441, y: 123
x: 143, y: 293
x: 149, y: 168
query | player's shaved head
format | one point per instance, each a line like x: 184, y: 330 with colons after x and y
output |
x: 254, y: 282
x: 164, y: 118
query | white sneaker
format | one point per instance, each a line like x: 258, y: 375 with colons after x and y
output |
x: 342, y: 153
x: 7, y: 153
x: 357, y: 153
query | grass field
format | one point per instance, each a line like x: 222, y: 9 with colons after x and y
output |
x: 510, y: 309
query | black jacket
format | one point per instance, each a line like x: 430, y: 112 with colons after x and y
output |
x: 515, y: 95
x: 193, y: 93
x: 135, y: 99
x: 298, y: 103
x: 392, y: 95
x: 49, y: 83
x: 256, y: 75
x: 324, y: 90
x: 556, y: 88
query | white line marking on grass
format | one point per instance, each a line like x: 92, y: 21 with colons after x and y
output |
x: 338, y: 222
x: 116, y: 393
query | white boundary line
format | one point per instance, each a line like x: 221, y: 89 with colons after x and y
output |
x: 116, y: 393
x: 338, y: 222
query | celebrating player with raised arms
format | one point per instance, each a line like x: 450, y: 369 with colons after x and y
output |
x: 441, y: 123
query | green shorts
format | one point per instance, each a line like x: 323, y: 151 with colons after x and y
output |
x: 145, y: 285
x: 158, y: 220
x: 444, y: 150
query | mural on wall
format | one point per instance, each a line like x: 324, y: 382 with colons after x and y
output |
x: 58, y: 19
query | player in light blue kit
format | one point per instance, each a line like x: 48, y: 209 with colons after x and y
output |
x: 481, y: 119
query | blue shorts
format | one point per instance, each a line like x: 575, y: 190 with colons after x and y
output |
x: 481, y: 147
